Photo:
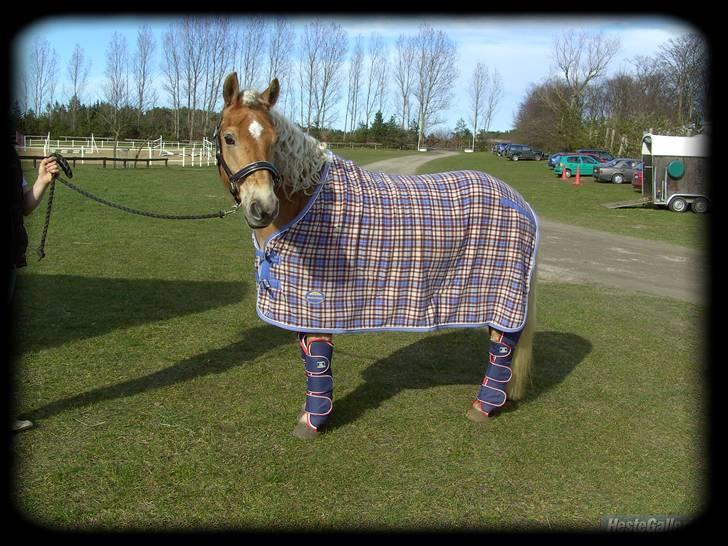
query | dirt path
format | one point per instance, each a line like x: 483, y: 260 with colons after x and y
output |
x: 580, y: 255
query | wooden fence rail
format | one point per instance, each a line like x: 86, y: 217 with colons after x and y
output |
x: 124, y: 160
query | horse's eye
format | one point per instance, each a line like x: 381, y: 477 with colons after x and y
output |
x: 229, y: 140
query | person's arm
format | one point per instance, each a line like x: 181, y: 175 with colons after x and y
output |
x: 32, y: 195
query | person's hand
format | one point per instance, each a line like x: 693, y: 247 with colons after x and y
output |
x: 47, y: 171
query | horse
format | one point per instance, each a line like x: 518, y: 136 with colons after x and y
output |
x: 339, y: 249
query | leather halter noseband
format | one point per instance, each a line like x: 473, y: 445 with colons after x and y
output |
x: 235, y: 179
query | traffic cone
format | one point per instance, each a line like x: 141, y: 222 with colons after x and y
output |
x: 563, y: 172
x: 577, y: 180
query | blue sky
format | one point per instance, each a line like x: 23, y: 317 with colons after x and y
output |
x: 519, y: 47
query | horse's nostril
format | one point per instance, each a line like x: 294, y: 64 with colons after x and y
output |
x: 255, y: 211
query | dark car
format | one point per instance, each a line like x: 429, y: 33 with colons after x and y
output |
x: 618, y: 170
x: 602, y: 155
x: 516, y: 152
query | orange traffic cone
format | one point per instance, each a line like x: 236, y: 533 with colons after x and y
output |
x: 563, y: 172
x: 577, y: 181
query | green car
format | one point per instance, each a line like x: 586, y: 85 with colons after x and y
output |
x: 586, y: 164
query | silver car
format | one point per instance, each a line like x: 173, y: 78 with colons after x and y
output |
x: 618, y: 170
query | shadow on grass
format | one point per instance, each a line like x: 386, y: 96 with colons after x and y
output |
x: 455, y: 359
x: 256, y: 342
x: 66, y: 308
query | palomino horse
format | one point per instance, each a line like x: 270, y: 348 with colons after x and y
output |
x: 343, y: 250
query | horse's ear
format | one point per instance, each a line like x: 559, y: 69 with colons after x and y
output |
x: 270, y: 95
x: 231, y: 88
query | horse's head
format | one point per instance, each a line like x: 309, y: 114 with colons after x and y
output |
x: 244, y: 140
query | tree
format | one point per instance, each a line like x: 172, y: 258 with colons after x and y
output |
x: 404, y: 74
x: 280, y: 45
x: 116, y: 90
x: 581, y: 59
x: 42, y: 75
x: 684, y: 59
x: 144, y: 93
x: 376, y: 75
x: 435, y: 74
x: 78, y: 69
x: 354, y: 87
x: 172, y: 69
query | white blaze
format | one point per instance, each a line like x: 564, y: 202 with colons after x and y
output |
x: 255, y: 129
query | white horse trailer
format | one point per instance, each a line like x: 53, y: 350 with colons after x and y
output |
x: 675, y: 171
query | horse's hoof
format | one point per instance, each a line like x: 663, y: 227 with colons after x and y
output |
x: 478, y: 416
x: 303, y: 430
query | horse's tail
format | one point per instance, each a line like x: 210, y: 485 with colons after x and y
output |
x: 523, y: 355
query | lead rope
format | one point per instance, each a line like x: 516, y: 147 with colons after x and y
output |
x: 63, y: 164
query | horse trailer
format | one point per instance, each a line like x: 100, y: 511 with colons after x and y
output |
x: 675, y: 172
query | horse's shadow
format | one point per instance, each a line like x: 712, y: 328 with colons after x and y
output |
x: 256, y: 342
x: 457, y: 358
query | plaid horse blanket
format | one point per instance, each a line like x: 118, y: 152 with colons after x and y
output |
x: 374, y: 251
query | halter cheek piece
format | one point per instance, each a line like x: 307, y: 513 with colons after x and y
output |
x: 237, y: 178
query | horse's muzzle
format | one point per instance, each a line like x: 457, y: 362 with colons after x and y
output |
x: 258, y: 215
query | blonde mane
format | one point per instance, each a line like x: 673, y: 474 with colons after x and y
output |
x: 297, y: 156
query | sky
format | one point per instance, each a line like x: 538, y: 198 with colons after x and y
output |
x: 519, y: 47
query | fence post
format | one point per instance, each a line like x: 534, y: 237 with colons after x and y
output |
x: 82, y: 153
x: 183, y: 155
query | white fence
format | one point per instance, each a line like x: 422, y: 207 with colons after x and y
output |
x: 187, y: 154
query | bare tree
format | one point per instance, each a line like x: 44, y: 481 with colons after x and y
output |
x: 478, y: 88
x: 376, y: 73
x: 332, y: 51
x: 78, y: 68
x: 218, y: 59
x: 172, y: 69
x: 280, y: 45
x: 403, y: 76
x: 252, y: 39
x: 144, y: 93
x: 116, y: 89
x: 352, y: 100
x: 42, y: 75
x: 191, y: 35
x: 309, y: 68
x: 493, y: 95
x: 685, y: 59
x: 435, y: 74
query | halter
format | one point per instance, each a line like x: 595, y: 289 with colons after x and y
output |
x: 234, y: 179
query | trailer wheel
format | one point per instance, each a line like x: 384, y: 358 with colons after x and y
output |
x: 700, y: 205
x: 678, y: 204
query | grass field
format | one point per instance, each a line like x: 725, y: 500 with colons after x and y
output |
x: 161, y: 401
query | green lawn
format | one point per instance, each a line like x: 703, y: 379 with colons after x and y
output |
x: 562, y: 201
x: 362, y: 156
x: 162, y: 401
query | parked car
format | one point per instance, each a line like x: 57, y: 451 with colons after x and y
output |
x: 554, y: 159
x: 501, y: 148
x: 618, y: 170
x: 637, y: 177
x: 602, y: 155
x: 515, y: 152
x: 570, y: 162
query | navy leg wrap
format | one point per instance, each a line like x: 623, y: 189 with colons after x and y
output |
x: 498, y: 372
x: 317, y: 354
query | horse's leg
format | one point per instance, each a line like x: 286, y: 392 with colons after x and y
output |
x: 493, y: 390
x: 316, y: 351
